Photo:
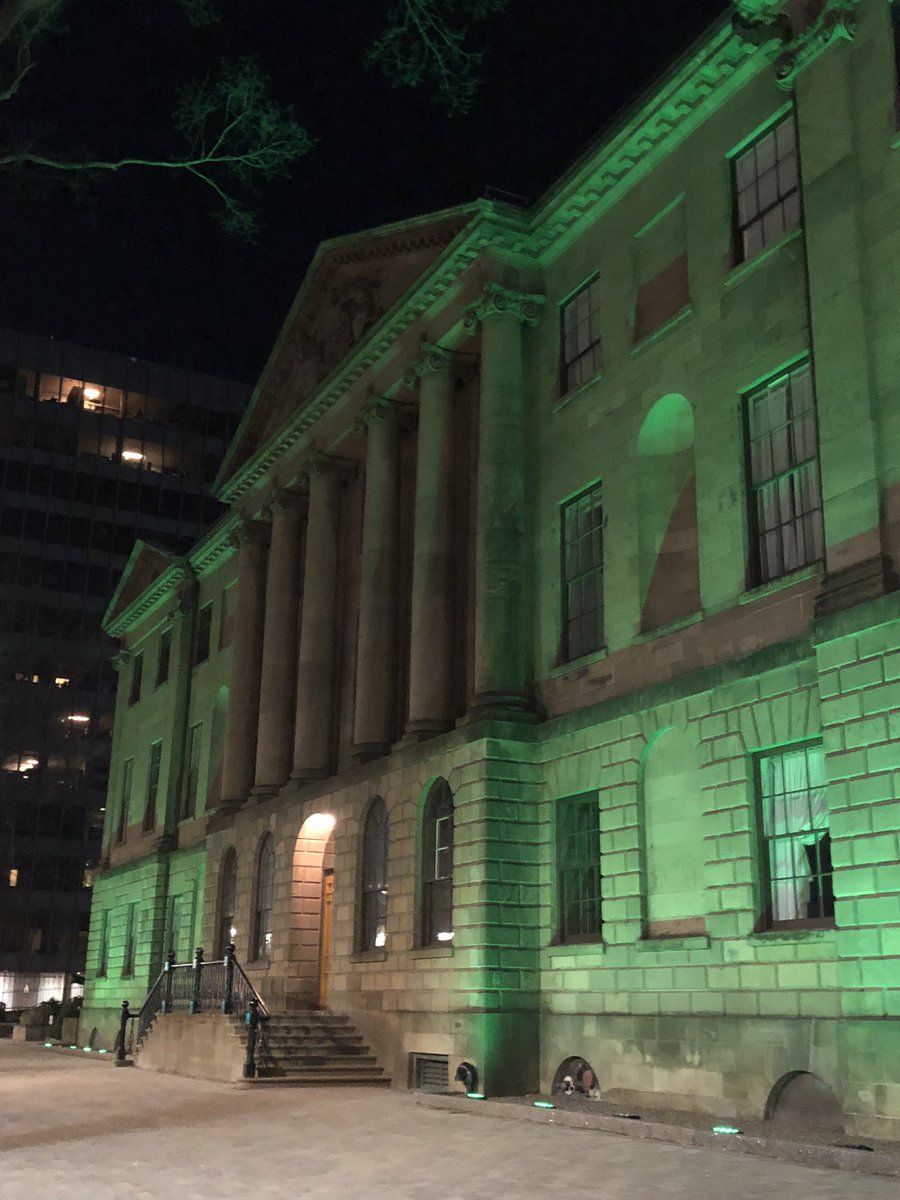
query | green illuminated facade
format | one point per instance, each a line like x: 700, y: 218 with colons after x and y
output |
x: 554, y: 623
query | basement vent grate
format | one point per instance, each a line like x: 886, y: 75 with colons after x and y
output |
x: 429, y: 1072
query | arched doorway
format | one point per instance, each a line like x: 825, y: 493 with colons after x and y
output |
x: 312, y: 894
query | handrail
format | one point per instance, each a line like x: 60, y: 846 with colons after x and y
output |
x: 220, y: 984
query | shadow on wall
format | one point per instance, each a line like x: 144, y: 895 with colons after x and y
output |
x: 667, y: 500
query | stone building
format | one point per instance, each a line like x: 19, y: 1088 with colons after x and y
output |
x: 538, y: 700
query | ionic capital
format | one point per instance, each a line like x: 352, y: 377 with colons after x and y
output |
x: 319, y: 465
x: 497, y: 300
x: 437, y: 360
x: 284, y: 500
x: 121, y: 659
x: 378, y: 409
x: 249, y: 532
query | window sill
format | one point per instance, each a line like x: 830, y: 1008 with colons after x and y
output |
x: 697, y: 941
x: 749, y: 265
x: 367, y: 956
x: 651, y: 635
x: 578, y: 664
x: 433, y: 952
x: 567, y: 399
x: 812, y: 571
x: 576, y: 949
x: 799, y: 933
x: 650, y: 339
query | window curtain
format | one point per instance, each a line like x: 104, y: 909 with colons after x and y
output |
x: 795, y: 815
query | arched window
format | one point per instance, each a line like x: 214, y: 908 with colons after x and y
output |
x: 265, y: 888
x: 437, y: 866
x: 227, y: 894
x: 374, y: 886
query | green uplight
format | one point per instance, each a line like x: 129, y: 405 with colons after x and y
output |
x: 474, y: 1095
x: 725, y: 1129
x: 73, y: 1047
x: 87, y: 1049
x: 543, y: 1104
x: 48, y: 1045
x: 102, y: 1052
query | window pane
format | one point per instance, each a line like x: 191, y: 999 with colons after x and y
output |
x: 766, y: 196
x: 581, y: 336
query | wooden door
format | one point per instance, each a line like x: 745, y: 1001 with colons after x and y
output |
x: 325, y: 936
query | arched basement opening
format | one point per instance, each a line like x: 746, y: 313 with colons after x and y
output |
x: 803, y: 1098
x: 667, y: 513
x: 575, y: 1076
x: 312, y: 889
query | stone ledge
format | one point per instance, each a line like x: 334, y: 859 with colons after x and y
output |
x: 806, y: 1154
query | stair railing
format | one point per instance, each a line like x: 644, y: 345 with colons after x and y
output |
x: 198, y: 986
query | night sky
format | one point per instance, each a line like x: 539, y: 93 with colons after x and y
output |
x: 131, y: 262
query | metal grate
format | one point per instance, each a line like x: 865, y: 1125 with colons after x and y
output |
x: 429, y: 1072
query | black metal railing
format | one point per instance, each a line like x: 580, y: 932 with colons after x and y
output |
x: 199, y: 986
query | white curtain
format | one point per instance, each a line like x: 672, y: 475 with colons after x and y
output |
x: 795, y: 814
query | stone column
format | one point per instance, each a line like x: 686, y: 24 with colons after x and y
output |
x: 374, y: 720
x: 277, y: 696
x: 182, y: 627
x: 431, y: 707
x: 243, y: 696
x: 500, y: 654
x: 317, y: 657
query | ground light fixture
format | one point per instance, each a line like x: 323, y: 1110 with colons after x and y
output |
x: 543, y: 1104
x: 725, y: 1129
x: 467, y: 1075
x: 474, y: 1095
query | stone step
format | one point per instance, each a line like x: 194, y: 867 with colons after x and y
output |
x: 313, y: 1079
x: 297, y: 1039
x: 323, y: 1062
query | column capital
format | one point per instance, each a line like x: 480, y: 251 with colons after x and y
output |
x: 284, y: 500
x: 121, y: 659
x: 320, y: 465
x: 497, y: 300
x: 793, y: 36
x: 437, y: 360
x: 378, y: 409
x: 256, y: 532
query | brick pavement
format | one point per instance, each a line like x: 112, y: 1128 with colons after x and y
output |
x: 73, y: 1127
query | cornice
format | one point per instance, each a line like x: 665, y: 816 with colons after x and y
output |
x: 722, y: 61
x: 163, y: 585
x: 489, y: 231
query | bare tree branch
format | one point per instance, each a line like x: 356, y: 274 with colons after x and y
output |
x: 425, y: 42
x: 235, y: 132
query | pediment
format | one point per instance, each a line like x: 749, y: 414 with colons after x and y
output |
x: 351, y: 284
x: 145, y: 564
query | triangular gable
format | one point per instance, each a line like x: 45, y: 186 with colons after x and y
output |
x: 351, y: 284
x: 145, y: 564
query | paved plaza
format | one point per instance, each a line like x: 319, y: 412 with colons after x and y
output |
x: 76, y: 1127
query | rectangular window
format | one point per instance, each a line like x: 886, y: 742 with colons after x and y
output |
x: 125, y: 800
x: 130, y: 940
x: 103, y: 948
x: 578, y: 869
x: 201, y: 640
x: 785, y: 501
x: 165, y: 654
x: 137, y: 671
x: 796, y: 849
x: 582, y: 574
x: 192, y: 772
x: 766, y: 190
x: 152, y: 786
x: 580, y: 336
